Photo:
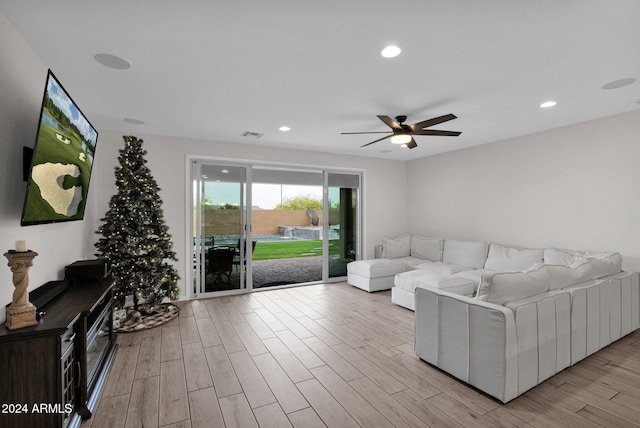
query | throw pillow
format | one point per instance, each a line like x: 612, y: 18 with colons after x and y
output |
x: 397, y: 247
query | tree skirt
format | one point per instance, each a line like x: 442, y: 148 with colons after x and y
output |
x: 135, y: 321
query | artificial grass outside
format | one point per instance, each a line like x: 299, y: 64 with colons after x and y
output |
x: 289, y: 249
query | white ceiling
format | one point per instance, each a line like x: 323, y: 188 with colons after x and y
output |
x: 212, y: 69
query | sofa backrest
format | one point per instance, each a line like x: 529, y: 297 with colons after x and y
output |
x: 465, y: 253
x: 566, y: 276
x: 560, y: 256
x: 504, y: 287
x: 396, y: 247
x: 426, y: 248
x: 603, y: 264
x: 511, y: 259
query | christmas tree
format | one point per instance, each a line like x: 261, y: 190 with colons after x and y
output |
x: 135, y: 238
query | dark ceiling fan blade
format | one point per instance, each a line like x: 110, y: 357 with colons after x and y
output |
x: 438, y: 133
x: 389, y: 122
x: 430, y: 122
x: 412, y: 144
x: 373, y: 132
x: 380, y: 139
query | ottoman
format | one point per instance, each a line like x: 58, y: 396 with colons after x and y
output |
x: 403, y: 292
x: 375, y: 274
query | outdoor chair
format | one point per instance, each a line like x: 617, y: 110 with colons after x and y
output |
x: 220, y: 263
x: 236, y: 256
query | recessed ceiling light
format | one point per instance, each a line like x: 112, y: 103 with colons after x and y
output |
x: 112, y: 61
x: 225, y: 171
x: 619, y: 83
x: 134, y: 121
x: 284, y: 128
x: 391, y: 51
x: 548, y: 104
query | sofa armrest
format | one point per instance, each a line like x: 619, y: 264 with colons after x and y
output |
x: 377, y: 251
x: 472, y: 340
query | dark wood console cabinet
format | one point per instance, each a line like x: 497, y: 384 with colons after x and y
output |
x: 52, y: 373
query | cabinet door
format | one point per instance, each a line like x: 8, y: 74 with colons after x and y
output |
x: 69, y: 370
x: 29, y: 384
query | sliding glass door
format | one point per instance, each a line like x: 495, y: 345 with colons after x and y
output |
x: 258, y: 226
x: 220, y: 232
x: 286, y: 208
x: 342, y: 222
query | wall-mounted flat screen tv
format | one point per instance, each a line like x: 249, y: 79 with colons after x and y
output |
x: 62, y: 158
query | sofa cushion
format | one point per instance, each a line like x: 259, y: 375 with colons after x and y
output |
x: 472, y: 275
x: 604, y: 264
x: 411, y: 262
x: 504, y: 287
x: 511, y: 259
x: 442, y: 268
x: 465, y: 253
x: 376, y: 268
x: 397, y: 247
x: 565, y: 276
x: 426, y: 248
x: 412, y: 279
x: 560, y: 256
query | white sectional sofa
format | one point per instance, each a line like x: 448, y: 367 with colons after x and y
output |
x: 504, y: 319
x: 506, y: 349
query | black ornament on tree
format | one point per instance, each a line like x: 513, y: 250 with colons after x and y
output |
x: 135, y: 238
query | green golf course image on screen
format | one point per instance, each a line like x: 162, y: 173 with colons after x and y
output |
x: 62, y: 159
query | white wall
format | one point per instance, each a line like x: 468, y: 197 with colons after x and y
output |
x: 573, y: 187
x: 385, y: 194
x: 22, y: 80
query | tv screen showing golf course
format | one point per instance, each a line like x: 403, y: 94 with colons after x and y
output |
x: 62, y: 160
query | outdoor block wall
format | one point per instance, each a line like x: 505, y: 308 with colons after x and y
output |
x: 265, y: 222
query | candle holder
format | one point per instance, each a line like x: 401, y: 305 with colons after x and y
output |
x: 21, y: 313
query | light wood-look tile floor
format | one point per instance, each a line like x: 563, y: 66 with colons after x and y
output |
x: 333, y: 355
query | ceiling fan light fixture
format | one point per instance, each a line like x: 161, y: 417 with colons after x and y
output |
x: 391, y: 51
x: 401, y: 139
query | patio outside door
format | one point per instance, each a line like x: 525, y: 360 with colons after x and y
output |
x: 287, y: 227
x: 259, y: 226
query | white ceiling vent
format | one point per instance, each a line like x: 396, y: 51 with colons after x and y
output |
x: 251, y: 134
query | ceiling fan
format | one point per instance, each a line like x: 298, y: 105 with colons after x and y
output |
x: 403, y: 134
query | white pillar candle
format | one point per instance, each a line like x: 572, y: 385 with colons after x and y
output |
x: 21, y: 246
